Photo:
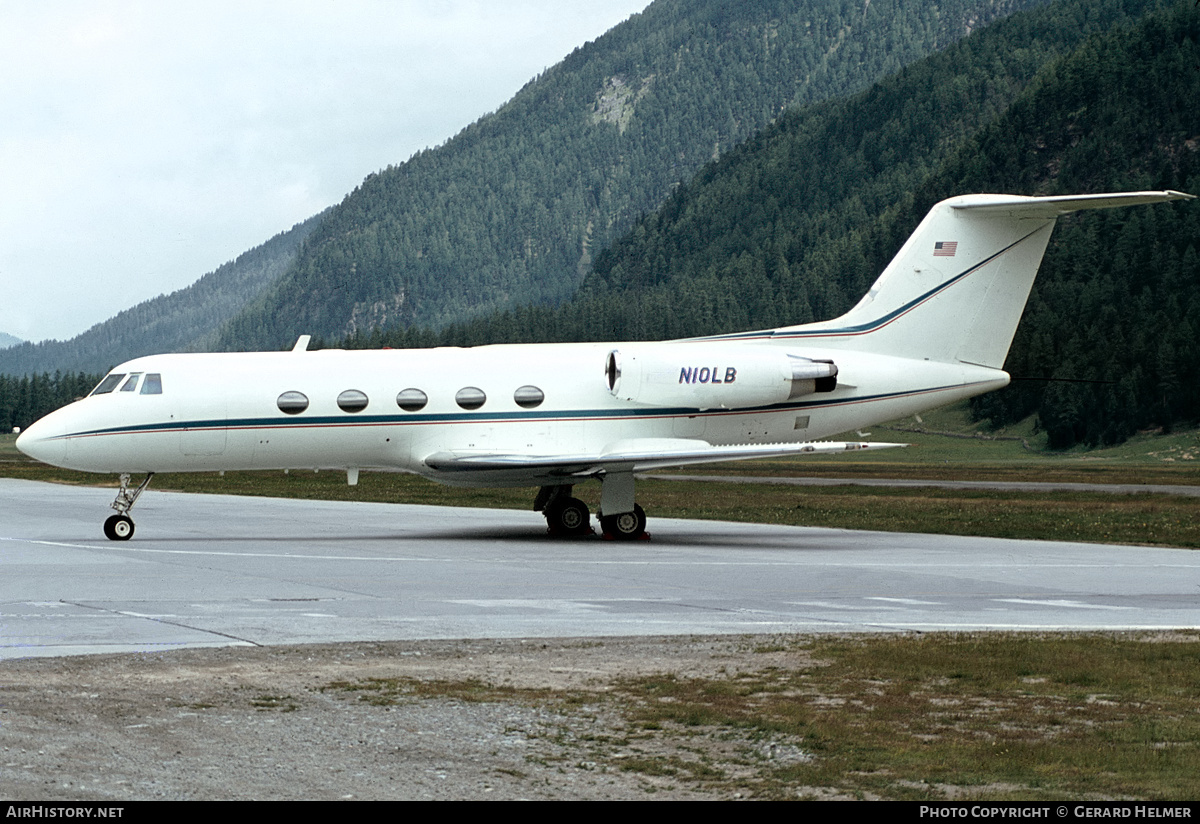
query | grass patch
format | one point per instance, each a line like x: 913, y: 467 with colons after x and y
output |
x: 1154, y: 519
x: 981, y: 716
x: 278, y: 703
x: 386, y: 692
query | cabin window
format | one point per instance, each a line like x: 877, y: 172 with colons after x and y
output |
x: 470, y: 397
x: 131, y: 384
x: 108, y: 384
x: 292, y: 403
x: 152, y: 385
x: 352, y: 401
x: 527, y: 397
x: 412, y: 400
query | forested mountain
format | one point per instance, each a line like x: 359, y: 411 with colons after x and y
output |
x: 512, y: 210
x: 7, y: 340
x: 1119, y: 299
x: 794, y: 225
x: 186, y: 320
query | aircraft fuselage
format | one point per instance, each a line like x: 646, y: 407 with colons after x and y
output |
x: 222, y: 411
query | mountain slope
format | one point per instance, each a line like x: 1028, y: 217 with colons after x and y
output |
x: 511, y: 210
x: 1118, y: 299
x: 794, y: 224
x: 185, y: 320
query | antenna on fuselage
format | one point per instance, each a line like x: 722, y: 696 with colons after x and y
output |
x: 302, y: 343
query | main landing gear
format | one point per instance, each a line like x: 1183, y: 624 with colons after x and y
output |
x: 119, y: 527
x: 569, y: 517
x: 566, y: 517
x: 628, y: 526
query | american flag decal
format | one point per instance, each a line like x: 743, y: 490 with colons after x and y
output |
x: 945, y: 248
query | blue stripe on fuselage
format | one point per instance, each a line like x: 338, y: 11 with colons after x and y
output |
x: 502, y: 417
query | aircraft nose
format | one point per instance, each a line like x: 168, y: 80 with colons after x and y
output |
x: 40, y: 444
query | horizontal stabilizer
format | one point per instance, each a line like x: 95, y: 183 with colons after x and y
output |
x: 1017, y: 205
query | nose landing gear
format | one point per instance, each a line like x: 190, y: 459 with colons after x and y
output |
x: 119, y: 527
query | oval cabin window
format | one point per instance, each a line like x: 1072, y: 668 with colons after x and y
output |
x: 292, y: 403
x: 527, y: 397
x: 470, y: 397
x: 411, y: 400
x: 352, y: 401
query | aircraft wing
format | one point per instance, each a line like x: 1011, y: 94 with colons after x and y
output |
x: 635, y: 454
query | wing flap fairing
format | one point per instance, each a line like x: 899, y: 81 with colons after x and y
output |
x: 636, y: 455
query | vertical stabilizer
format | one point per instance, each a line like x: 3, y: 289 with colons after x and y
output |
x: 957, y: 288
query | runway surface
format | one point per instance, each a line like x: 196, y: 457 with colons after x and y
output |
x: 214, y: 570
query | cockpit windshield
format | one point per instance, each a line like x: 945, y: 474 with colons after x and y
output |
x: 108, y: 384
x: 152, y: 385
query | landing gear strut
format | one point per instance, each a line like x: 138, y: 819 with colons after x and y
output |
x: 628, y: 521
x: 119, y: 527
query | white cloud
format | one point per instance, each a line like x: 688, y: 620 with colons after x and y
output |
x: 145, y: 143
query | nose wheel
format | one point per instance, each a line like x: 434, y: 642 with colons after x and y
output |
x: 119, y: 527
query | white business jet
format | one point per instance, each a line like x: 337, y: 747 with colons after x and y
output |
x: 935, y: 328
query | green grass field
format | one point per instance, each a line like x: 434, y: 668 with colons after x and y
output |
x: 929, y: 717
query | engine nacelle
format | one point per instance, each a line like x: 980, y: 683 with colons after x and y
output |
x: 714, y: 375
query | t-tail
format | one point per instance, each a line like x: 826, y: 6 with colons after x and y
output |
x: 956, y: 290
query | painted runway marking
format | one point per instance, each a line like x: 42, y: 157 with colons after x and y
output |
x: 912, y: 601
x: 853, y: 607
x: 1060, y: 603
x: 554, y: 604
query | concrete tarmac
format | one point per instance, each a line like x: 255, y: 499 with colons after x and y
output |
x: 215, y: 570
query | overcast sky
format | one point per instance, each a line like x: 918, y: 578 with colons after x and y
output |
x: 143, y: 144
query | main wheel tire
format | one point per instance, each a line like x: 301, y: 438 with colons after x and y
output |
x: 118, y: 528
x: 569, y: 516
x: 627, y: 526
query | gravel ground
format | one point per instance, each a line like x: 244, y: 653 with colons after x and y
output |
x: 491, y: 719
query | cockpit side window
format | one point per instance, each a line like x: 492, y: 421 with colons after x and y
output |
x: 152, y: 385
x: 131, y: 384
x: 108, y: 384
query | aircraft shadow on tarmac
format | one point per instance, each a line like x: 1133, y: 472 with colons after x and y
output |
x: 680, y: 534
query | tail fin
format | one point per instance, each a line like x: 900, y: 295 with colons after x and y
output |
x: 956, y: 290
